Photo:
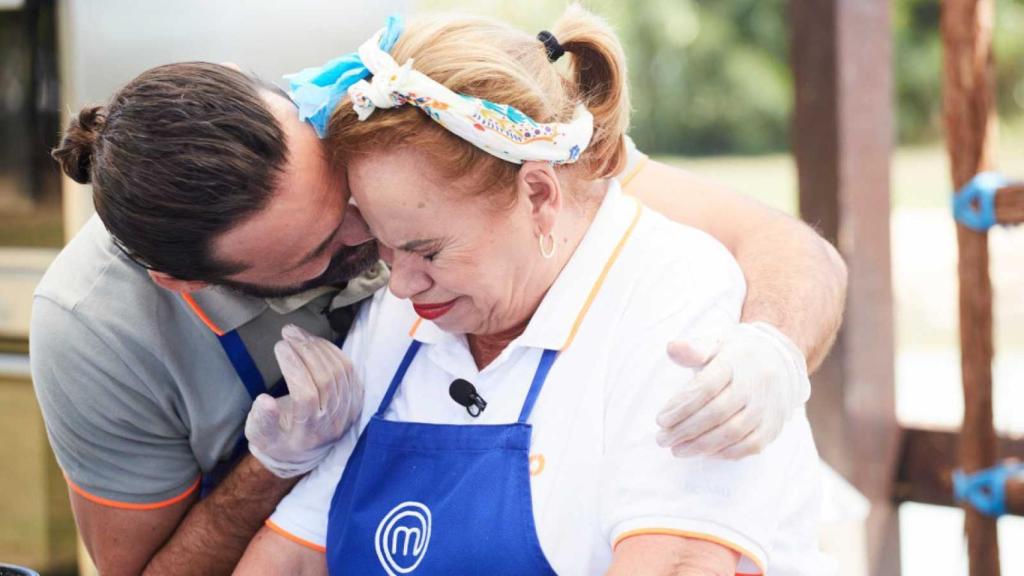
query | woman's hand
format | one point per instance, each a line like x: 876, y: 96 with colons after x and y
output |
x: 747, y: 384
x: 291, y: 435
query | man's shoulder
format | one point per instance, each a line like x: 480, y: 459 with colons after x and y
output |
x: 92, y: 281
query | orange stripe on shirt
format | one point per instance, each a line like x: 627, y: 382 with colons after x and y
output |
x: 415, y: 327
x: 632, y: 173
x: 693, y: 536
x: 199, y: 312
x: 288, y: 535
x: 131, y: 505
x: 600, y: 279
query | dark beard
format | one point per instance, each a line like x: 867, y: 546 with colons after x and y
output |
x: 346, y: 264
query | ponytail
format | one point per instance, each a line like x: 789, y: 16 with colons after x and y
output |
x: 77, y: 147
x: 598, y: 70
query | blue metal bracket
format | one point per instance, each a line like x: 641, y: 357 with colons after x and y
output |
x: 985, y: 490
x: 974, y: 205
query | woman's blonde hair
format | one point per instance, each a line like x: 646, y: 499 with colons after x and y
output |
x: 491, y: 60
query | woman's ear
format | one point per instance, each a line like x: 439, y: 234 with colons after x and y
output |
x: 538, y: 182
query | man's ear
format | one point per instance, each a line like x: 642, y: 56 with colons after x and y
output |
x: 539, y: 183
x: 173, y: 284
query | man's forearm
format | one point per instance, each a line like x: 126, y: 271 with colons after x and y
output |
x: 796, y: 282
x: 213, y: 535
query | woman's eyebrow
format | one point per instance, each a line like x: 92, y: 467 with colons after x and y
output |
x: 417, y: 245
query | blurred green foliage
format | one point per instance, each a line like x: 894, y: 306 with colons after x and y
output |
x: 713, y: 77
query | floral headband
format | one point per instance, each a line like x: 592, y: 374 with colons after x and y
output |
x: 497, y: 129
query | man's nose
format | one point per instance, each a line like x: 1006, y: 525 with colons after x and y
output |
x: 354, y: 230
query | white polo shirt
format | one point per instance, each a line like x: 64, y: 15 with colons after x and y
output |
x: 636, y: 282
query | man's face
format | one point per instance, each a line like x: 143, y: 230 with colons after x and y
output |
x: 307, y: 236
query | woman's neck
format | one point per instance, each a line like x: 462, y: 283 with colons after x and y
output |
x: 572, y: 228
x: 486, y: 347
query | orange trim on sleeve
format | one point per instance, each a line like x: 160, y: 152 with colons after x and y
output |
x: 131, y: 505
x: 286, y: 534
x: 693, y: 536
x: 600, y: 279
x: 632, y: 173
x: 199, y: 312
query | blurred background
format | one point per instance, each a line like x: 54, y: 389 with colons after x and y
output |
x: 712, y: 90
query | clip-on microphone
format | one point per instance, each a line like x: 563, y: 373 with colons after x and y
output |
x: 465, y: 394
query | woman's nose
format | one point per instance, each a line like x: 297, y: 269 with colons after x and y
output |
x: 406, y: 280
x: 354, y: 230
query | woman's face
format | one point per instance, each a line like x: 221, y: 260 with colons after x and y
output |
x: 466, y: 265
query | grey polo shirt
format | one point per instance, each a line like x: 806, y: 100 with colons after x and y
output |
x: 138, y: 396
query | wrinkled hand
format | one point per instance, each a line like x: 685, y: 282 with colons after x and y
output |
x: 748, y: 382
x: 292, y: 434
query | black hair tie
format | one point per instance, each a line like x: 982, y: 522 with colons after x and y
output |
x: 551, y: 45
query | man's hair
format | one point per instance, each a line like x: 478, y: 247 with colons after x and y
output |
x: 181, y: 154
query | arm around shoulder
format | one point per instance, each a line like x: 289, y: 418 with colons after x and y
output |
x: 796, y: 280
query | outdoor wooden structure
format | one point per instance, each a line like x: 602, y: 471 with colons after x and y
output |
x: 969, y: 114
x: 843, y: 146
x: 841, y: 57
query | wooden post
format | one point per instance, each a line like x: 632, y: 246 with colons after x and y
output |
x: 969, y: 114
x: 1010, y: 205
x: 841, y: 53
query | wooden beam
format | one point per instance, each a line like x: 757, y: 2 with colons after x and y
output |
x: 928, y: 460
x: 1010, y: 204
x: 1015, y: 496
x: 969, y: 114
x: 841, y: 52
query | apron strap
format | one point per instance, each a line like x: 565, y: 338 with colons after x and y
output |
x: 414, y: 347
x: 547, y: 359
x: 243, y: 363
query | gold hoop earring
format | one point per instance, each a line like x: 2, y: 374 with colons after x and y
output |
x: 547, y: 253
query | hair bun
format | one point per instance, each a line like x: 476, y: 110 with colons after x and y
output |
x: 76, y: 148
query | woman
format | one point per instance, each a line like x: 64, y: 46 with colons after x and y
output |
x: 519, y: 266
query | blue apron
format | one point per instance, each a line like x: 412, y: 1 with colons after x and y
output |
x: 438, y: 498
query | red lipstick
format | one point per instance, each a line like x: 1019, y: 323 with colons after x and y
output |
x: 433, y: 311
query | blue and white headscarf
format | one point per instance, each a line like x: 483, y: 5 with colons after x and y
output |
x: 498, y: 129
x: 317, y: 91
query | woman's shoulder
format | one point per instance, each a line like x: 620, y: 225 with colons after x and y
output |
x: 668, y: 267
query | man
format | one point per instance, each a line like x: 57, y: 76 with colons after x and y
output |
x: 222, y: 222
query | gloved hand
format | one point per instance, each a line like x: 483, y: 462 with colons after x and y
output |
x: 749, y: 380
x: 292, y: 434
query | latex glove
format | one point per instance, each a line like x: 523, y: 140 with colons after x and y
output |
x: 292, y: 434
x: 749, y: 380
